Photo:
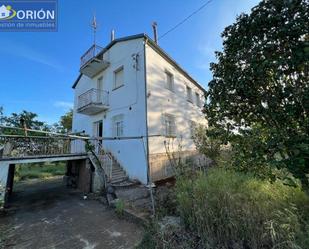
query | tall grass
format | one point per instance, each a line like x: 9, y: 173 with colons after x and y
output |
x: 234, y: 210
x: 39, y: 171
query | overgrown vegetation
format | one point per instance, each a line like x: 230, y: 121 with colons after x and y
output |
x: 235, y: 210
x: 39, y: 171
x: 259, y: 95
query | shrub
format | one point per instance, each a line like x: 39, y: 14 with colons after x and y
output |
x: 119, y: 207
x: 234, y: 210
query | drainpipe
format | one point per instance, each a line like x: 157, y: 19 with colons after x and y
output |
x: 149, y: 181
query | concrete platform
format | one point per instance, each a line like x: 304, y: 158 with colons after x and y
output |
x: 45, y: 214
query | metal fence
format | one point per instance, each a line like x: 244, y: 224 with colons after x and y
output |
x: 21, y: 146
x: 93, y: 51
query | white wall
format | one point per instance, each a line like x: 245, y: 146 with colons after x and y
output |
x: 129, y: 152
x: 161, y: 100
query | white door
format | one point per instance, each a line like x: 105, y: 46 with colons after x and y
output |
x: 98, y: 134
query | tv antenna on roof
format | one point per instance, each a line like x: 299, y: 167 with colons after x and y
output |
x: 94, y: 28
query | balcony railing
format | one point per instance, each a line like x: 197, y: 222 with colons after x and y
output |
x: 92, y: 101
x: 92, y: 52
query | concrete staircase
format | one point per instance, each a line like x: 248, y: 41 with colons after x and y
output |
x: 136, y: 196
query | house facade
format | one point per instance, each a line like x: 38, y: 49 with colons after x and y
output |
x: 140, y: 102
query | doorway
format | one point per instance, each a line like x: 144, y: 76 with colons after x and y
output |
x: 98, y: 133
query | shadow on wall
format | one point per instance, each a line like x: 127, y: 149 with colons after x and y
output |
x: 161, y: 167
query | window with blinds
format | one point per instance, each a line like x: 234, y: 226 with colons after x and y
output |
x: 118, y: 78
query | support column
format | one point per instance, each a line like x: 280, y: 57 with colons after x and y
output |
x: 10, y: 180
x: 4, y: 172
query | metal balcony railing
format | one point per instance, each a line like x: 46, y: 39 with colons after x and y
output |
x: 92, y: 52
x: 93, y: 97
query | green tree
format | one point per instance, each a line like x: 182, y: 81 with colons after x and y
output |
x: 29, y: 119
x: 260, y: 87
x: 66, y: 121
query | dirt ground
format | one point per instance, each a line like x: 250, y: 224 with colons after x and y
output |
x: 45, y: 214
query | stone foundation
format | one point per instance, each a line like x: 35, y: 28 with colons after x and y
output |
x: 161, y: 167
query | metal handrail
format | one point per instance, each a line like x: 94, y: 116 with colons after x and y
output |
x: 92, y: 96
x: 106, y: 157
x: 92, y: 52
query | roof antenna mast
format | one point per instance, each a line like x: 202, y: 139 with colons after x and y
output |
x: 94, y: 28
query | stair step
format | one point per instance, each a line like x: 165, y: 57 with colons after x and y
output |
x: 144, y: 203
x: 119, y: 174
x: 118, y: 180
x: 133, y: 193
x: 117, y: 170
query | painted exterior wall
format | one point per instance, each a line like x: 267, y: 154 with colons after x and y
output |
x: 162, y: 101
x: 128, y: 100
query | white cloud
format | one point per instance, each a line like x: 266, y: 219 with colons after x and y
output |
x: 64, y: 105
x: 20, y: 50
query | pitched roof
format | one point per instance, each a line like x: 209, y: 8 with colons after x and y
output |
x: 156, y: 47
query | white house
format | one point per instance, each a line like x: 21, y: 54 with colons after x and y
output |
x: 4, y: 12
x: 140, y: 101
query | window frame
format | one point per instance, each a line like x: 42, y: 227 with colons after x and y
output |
x: 170, y: 86
x: 118, y: 125
x: 189, y: 96
x: 121, y: 68
x: 193, y: 127
x: 169, y: 122
x: 198, y: 99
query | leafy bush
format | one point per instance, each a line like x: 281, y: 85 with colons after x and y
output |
x: 234, y: 210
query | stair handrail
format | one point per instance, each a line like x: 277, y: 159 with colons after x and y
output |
x: 109, y: 167
x: 92, y: 151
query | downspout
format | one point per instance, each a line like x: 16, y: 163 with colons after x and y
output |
x: 149, y: 181
x: 146, y: 113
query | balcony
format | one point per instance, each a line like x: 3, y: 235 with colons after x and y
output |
x: 91, y: 63
x: 92, y: 102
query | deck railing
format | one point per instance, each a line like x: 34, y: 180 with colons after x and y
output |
x: 21, y: 146
x: 92, y: 52
x: 93, y: 96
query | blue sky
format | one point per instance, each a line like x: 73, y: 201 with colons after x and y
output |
x: 38, y: 68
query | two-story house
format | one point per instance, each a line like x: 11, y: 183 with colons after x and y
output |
x: 135, y: 97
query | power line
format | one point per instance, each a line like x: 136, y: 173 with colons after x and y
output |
x: 186, y: 19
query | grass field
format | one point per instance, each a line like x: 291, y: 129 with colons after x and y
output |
x: 39, y: 171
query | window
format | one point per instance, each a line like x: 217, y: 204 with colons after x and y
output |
x: 169, y: 125
x: 100, y: 83
x: 198, y: 100
x: 169, y: 81
x: 189, y: 94
x: 118, y: 125
x: 118, y: 78
x: 193, y: 126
